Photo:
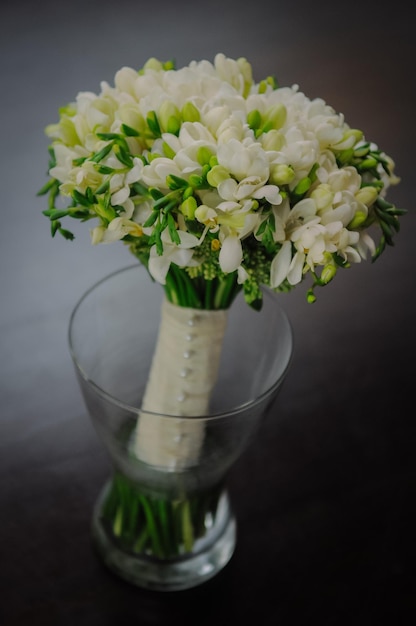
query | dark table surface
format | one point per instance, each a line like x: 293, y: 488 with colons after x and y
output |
x: 324, y: 496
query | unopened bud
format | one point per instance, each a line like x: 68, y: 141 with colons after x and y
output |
x: 246, y: 70
x: 273, y: 140
x: 153, y: 64
x: 168, y: 150
x: 254, y: 119
x: 323, y: 196
x: 190, y: 113
x: 106, y: 212
x: 281, y: 174
x: 367, y: 195
x: 275, y: 117
x: 217, y: 175
x: 188, y: 208
x: 328, y: 272
x: 358, y: 219
x: 97, y: 234
x: 131, y: 117
x: 203, y: 155
x: 169, y: 117
x: 350, y: 138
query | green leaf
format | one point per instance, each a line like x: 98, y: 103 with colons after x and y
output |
x: 139, y: 189
x: 101, y: 154
x: 55, y: 214
x: 103, y: 187
x: 151, y: 219
x: 66, y: 234
x: 55, y: 226
x: 52, y: 157
x: 156, y: 193
x: 105, y: 169
x: 108, y: 136
x: 80, y: 198
x: 129, y: 131
x: 153, y: 123
x: 172, y: 230
x: 47, y: 187
x: 123, y: 155
x: 79, y: 161
x: 175, y: 182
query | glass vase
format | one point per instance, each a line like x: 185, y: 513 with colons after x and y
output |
x: 159, y: 526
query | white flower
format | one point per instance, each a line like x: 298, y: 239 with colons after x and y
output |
x: 242, y: 160
x: 247, y: 165
x: 180, y: 254
x: 250, y: 187
x: 231, y: 253
x: 280, y: 265
x: 120, y: 186
x: 155, y: 174
x: 118, y: 228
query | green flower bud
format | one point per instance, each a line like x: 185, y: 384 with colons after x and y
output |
x: 275, y: 117
x: 105, y: 211
x: 190, y: 113
x: 368, y: 164
x: 350, y: 138
x: 273, y: 140
x: 188, y: 193
x: 358, y: 219
x: 328, y: 272
x: 130, y: 116
x: 153, y: 64
x: 168, y: 65
x: 281, y: 174
x: 203, y: 155
x: 270, y: 81
x: 310, y: 296
x: 188, y: 208
x: 169, y: 117
x: 303, y: 186
x: 323, y: 196
x: 168, y: 150
x: 254, y: 119
x: 217, y: 175
x: 196, y: 181
x: 246, y: 70
x: 345, y: 156
x: 367, y: 195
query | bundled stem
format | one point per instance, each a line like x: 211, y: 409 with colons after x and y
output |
x: 155, y: 525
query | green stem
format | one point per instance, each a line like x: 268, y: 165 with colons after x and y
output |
x: 200, y: 293
x: 154, y: 524
x: 151, y: 526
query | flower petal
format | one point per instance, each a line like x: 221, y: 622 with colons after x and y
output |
x: 231, y: 254
x: 280, y: 265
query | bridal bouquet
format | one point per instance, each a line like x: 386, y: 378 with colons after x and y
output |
x: 217, y: 184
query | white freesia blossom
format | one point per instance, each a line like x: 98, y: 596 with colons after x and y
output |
x: 180, y: 254
x: 231, y: 253
x: 243, y: 159
x: 155, y: 174
x: 235, y: 170
x: 118, y: 228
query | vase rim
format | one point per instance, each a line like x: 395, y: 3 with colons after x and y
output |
x: 234, y: 411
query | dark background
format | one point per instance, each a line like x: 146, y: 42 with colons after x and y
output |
x: 324, y: 496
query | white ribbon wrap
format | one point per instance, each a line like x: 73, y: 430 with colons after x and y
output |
x: 183, y: 373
